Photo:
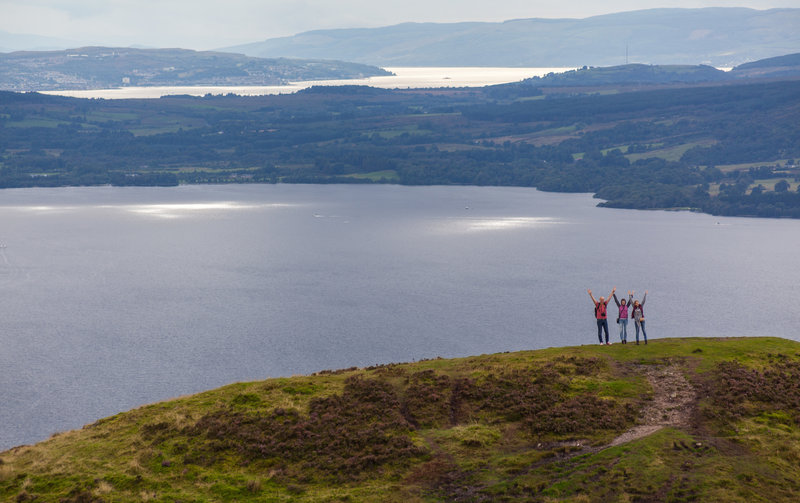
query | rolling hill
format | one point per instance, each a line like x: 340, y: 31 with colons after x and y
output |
x: 778, y: 68
x: 106, y: 67
x: 720, y: 37
x: 676, y: 420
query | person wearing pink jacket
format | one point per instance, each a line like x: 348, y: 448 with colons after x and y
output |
x: 622, y: 319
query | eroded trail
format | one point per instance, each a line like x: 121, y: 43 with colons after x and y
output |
x: 673, y: 401
x: 673, y: 404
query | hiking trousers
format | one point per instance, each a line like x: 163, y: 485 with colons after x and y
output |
x: 623, y: 329
x: 602, y: 325
x: 644, y: 334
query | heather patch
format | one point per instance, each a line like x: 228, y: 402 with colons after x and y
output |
x: 343, y: 436
x: 582, y: 414
x: 371, y: 424
x: 737, y: 391
x: 518, y: 394
x: 431, y: 399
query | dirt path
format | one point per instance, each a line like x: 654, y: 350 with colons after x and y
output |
x: 673, y: 399
x: 672, y: 405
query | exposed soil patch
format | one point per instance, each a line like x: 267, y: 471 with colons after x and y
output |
x: 673, y: 402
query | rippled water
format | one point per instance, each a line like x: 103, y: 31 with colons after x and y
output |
x: 116, y: 297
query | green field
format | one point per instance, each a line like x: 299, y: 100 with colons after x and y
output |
x: 377, y: 176
x: 727, y: 168
x: 672, y: 153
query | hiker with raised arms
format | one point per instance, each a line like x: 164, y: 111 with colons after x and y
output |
x: 601, y: 314
x: 637, y: 313
x: 622, y: 319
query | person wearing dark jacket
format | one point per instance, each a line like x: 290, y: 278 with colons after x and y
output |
x: 637, y: 313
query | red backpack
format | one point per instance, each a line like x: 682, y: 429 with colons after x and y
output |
x: 600, y: 310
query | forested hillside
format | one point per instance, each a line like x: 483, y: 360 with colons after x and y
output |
x: 725, y: 149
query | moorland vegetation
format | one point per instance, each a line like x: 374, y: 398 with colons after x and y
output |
x: 676, y: 420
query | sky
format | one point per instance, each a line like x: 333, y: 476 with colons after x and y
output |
x: 213, y: 24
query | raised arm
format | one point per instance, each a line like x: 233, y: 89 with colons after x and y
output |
x: 592, y: 296
x: 616, y: 299
x: 630, y: 297
x: 612, y: 294
x: 644, y: 298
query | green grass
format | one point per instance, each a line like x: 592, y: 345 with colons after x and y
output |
x: 376, y: 176
x: 153, y: 130
x: 728, y: 168
x: 411, y: 129
x: 622, y: 148
x: 673, y: 153
x: 34, y: 122
x: 522, y: 426
x: 105, y: 115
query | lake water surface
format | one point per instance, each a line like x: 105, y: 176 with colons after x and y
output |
x: 116, y: 297
x: 403, y: 78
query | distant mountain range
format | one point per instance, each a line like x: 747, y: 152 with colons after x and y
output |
x: 720, y: 37
x: 105, y: 67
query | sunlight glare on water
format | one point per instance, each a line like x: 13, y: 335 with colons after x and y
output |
x: 187, y: 209
x: 498, y: 224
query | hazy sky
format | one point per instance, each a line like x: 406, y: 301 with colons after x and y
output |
x: 208, y: 24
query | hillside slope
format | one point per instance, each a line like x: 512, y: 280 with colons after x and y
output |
x: 722, y: 37
x: 675, y: 420
x: 781, y: 67
x: 108, y: 67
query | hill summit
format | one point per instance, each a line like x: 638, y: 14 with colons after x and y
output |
x: 675, y: 420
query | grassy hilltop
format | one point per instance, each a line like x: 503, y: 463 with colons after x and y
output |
x: 676, y: 420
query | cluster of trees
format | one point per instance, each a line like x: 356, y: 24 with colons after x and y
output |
x: 608, y: 145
